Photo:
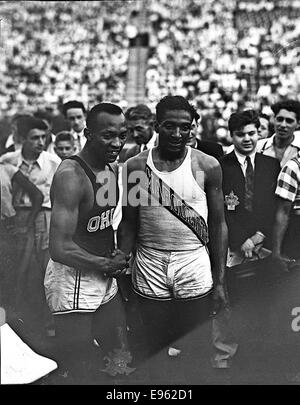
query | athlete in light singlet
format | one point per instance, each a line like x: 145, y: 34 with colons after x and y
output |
x: 80, y: 281
x: 179, y: 209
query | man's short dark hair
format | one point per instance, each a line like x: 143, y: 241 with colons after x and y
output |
x: 73, y: 104
x: 108, y: 108
x: 18, y: 116
x: 139, y: 112
x: 26, y: 124
x: 174, y: 103
x: 289, y: 105
x: 265, y: 116
x: 239, y: 120
x: 44, y: 115
x: 64, y: 136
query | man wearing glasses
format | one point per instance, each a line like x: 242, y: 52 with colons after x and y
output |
x: 285, y: 143
x: 172, y: 207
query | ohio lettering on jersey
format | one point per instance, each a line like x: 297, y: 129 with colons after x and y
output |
x: 101, y: 221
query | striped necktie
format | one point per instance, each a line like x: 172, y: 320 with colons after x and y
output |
x: 249, y: 185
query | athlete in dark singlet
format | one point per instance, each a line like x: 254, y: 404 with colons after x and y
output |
x: 80, y: 281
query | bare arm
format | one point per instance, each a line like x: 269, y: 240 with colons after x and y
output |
x: 67, y: 195
x: 127, y: 232
x: 216, y: 223
x: 217, y: 232
x: 281, y: 224
x: 34, y: 193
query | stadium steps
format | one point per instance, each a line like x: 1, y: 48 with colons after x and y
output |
x: 135, y: 86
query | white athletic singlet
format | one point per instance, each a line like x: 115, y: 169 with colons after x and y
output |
x: 170, y: 261
x: 159, y: 228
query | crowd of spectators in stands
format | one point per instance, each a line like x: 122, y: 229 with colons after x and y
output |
x: 222, y: 55
x: 63, y: 50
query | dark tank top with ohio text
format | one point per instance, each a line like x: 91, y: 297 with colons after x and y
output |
x: 94, y: 231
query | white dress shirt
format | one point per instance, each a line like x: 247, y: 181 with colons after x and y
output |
x: 151, y: 143
x: 242, y: 160
x: 266, y: 147
x: 80, y: 140
x: 39, y: 172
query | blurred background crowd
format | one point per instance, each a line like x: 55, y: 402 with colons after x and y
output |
x: 222, y: 55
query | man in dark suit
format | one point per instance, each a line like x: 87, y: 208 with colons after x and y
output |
x: 208, y: 147
x: 249, y: 182
x: 139, y: 120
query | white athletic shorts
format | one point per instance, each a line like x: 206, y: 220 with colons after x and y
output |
x: 71, y: 290
x: 160, y: 274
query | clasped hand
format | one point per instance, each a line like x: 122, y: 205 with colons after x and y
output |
x: 118, y: 263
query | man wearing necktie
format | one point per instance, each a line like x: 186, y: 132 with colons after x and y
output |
x: 249, y: 184
x: 75, y: 112
x: 139, y: 120
x: 249, y: 181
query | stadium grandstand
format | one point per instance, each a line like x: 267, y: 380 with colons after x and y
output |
x: 220, y: 54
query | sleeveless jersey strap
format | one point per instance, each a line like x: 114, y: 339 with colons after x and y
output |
x: 86, y: 168
x: 114, y: 168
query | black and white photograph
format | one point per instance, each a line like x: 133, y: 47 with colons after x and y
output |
x: 150, y: 195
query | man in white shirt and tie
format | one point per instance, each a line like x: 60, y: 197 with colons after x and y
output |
x: 75, y: 113
x: 140, y: 123
x: 249, y: 181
